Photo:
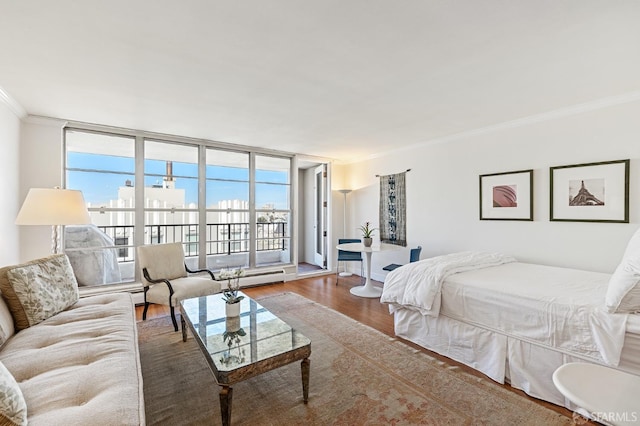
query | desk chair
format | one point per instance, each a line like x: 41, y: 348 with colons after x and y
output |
x: 165, y: 279
x: 349, y: 256
x: 414, y: 256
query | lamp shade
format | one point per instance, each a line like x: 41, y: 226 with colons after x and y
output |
x: 53, y: 206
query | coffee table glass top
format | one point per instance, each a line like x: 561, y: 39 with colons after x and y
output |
x: 236, y: 342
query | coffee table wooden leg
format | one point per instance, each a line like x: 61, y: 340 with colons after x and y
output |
x: 305, y: 367
x: 225, y: 404
x: 184, y: 328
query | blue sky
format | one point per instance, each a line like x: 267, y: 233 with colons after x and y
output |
x: 99, y: 188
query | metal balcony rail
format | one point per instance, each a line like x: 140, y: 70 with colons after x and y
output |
x: 221, y: 238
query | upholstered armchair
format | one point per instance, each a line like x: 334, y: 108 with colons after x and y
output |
x: 165, y: 278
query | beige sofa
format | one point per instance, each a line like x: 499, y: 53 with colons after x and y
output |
x: 77, y: 366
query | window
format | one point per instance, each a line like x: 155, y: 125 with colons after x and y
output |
x: 102, y: 166
x: 227, y: 208
x: 171, y: 196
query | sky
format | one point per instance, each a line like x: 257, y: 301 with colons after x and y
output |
x: 223, y: 183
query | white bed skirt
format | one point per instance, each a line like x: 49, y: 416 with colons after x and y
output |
x: 526, y: 366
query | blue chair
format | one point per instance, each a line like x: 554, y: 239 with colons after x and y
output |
x: 414, y: 256
x: 349, y: 256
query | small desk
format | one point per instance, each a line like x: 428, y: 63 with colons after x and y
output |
x: 609, y: 395
x: 366, y: 290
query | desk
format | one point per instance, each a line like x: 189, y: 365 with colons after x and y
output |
x: 609, y: 395
x: 366, y: 290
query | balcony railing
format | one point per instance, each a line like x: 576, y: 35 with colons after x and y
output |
x: 221, y: 238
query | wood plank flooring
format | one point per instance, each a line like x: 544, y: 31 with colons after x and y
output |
x: 323, y: 290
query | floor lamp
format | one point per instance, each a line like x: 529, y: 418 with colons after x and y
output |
x: 344, y: 226
x: 55, y: 207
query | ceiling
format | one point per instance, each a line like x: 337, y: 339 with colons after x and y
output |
x: 343, y: 79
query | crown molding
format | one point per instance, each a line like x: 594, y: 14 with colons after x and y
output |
x: 13, y: 105
x: 525, y: 121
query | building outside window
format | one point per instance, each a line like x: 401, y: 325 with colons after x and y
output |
x: 242, y: 219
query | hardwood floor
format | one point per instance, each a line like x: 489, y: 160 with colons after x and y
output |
x: 371, y: 312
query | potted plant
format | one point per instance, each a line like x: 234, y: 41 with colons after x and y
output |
x: 230, y: 294
x: 367, y: 234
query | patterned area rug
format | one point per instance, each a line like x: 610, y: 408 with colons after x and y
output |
x: 359, y: 376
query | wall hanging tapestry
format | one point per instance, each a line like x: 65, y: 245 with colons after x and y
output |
x: 393, y: 209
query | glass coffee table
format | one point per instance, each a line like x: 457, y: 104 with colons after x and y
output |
x: 238, y: 348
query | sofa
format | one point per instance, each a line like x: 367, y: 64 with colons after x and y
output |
x: 66, y: 360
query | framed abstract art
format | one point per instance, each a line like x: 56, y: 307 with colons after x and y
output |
x: 507, y: 196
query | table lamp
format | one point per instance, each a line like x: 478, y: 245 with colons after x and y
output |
x: 55, y: 207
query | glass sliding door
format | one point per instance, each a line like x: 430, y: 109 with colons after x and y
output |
x: 272, y: 210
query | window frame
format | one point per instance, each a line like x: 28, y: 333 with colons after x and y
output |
x: 140, y: 211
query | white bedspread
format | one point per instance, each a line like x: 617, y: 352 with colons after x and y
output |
x: 418, y: 285
x: 560, y: 308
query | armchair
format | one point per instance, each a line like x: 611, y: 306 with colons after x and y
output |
x: 165, y: 278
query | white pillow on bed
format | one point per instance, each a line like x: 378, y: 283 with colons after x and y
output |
x: 623, y: 293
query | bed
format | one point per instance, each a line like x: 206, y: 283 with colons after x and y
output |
x: 518, y: 322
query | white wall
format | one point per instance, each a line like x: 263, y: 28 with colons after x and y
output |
x: 442, y: 189
x: 9, y: 176
x: 40, y: 167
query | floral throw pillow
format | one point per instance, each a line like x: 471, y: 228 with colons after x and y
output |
x: 13, y: 408
x: 41, y: 289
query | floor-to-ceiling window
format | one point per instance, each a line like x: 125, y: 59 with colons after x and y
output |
x: 227, y: 207
x: 102, y: 166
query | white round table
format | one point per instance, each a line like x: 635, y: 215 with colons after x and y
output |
x: 368, y: 289
x: 609, y: 395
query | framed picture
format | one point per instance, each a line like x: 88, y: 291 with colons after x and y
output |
x: 507, y: 196
x: 593, y: 192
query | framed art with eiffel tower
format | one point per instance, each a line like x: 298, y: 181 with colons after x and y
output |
x: 591, y: 192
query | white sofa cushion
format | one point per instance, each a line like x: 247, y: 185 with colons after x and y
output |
x: 81, y: 366
x: 623, y: 292
x: 13, y: 408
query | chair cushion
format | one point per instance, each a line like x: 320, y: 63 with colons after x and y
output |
x: 162, y: 261
x: 39, y: 289
x: 183, y: 288
x: 391, y: 267
x: 13, y: 408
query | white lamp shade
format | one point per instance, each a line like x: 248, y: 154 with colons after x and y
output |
x: 52, y: 206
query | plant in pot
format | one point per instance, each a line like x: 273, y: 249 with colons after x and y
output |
x: 367, y: 234
x: 230, y: 294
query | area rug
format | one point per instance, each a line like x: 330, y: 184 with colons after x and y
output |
x: 359, y: 376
